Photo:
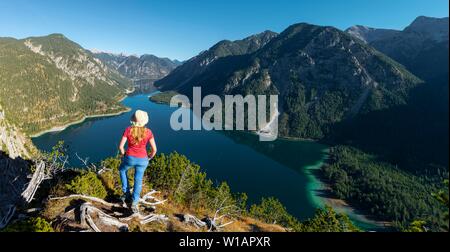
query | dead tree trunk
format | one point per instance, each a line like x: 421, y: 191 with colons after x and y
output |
x: 21, y: 197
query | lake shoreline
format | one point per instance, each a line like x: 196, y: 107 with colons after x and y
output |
x: 84, y: 118
x: 322, y: 195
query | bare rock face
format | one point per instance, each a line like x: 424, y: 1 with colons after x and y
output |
x: 422, y: 47
x: 12, y: 141
x: 368, y: 34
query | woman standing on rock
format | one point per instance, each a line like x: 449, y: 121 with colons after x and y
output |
x: 136, y: 155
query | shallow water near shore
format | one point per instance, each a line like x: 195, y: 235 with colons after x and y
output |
x: 260, y: 169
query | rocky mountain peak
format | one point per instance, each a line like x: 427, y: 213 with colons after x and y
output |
x: 434, y: 28
x: 368, y: 34
x: 423, y: 43
x: 71, y: 58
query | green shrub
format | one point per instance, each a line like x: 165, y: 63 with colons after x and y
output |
x: 111, y: 177
x: 270, y: 210
x: 35, y: 224
x: 416, y: 227
x: 327, y: 220
x: 179, y: 177
x: 87, y: 183
x: 186, y: 184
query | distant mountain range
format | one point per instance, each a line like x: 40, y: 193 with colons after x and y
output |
x: 143, y: 70
x: 422, y: 47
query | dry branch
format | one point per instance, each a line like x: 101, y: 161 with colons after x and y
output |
x: 80, y: 196
x: 86, y: 211
x: 192, y: 220
x: 36, y: 180
x: 149, y: 196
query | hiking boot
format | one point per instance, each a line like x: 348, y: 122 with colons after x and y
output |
x: 134, y: 209
x: 125, y: 198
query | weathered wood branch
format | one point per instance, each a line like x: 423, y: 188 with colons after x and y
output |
x: 80, y: 196
x: 33, y: 185
x: 149, y: 196
x: 40, y: 174
x: 144, y: 219
x: 192, y: 220
x: 86, y: 211
x: 223, y: 211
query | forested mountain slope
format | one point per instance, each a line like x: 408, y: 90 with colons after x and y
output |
x: 323, y: 76
x: 50, y: 81
x: 195, y: 66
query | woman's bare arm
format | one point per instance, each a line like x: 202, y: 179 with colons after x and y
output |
x: 153, y: 146
x: 122, y: 145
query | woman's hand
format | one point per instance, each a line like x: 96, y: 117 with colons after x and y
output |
x: 122, y: 146
x: 152, y: 154
x: 153, y: 146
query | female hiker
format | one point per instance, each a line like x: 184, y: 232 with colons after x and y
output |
x: 138, y: 136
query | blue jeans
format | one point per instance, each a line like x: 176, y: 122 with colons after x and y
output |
x: 139, y: 164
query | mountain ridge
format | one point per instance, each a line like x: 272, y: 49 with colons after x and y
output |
x: 196, y: 65
x: 421, y: 44
x: 369, y: 34
x: 309, y: 66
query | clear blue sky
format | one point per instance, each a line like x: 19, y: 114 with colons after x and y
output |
x: 180, y: 29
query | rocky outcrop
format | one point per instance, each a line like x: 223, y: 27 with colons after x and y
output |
x: 12, y: 141
x: 368, y: 34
